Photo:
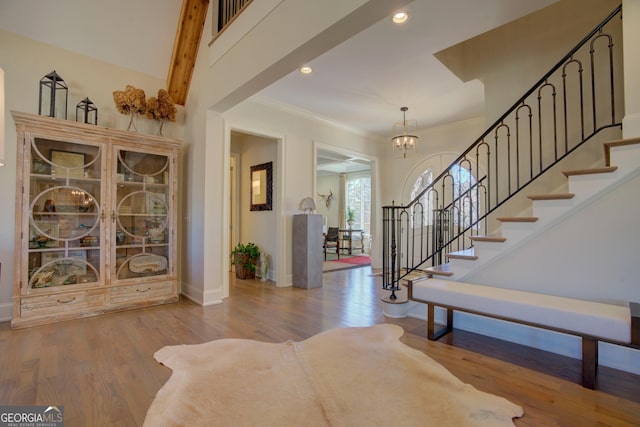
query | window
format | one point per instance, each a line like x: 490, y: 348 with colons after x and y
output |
x: 359, y: 199
x: 423, y: 181
x: 465, y: 198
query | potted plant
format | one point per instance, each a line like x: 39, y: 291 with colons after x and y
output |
x: 351, y: 216
x: 245, y: 257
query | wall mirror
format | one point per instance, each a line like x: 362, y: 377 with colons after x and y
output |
x: 261, y: 187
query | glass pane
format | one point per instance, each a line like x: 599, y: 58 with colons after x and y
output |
x: 64, y: 214
x: 142, y: 167
x: 359, y: 199
x: 64, y: 160
x: 132, y: 262
x: 142, y: 215
x: 57, y: 268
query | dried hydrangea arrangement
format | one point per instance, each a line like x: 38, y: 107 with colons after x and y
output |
x: 131, y: 101
x: 161, y: 108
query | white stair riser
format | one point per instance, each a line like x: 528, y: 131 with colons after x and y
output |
x: 487, y: 250
x: 549, y: 209
x: 588, y: 185
x: 516, y: 231
x: 460, y: 267
x: 626, y: 158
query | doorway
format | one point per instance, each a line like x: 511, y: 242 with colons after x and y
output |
x: 344, y: 182
x: 246, y: 225
x: 234, y: 202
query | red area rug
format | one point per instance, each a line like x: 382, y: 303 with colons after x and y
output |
x: 358, y: 260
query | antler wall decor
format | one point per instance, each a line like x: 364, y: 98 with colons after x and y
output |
x: 326, y: 197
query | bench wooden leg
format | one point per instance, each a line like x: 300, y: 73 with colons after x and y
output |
x: 635, y: 323
x: 589, y: 362
x: 431, y: 323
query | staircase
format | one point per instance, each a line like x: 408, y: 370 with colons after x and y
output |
x: 583, y: 187
x: 462, y: 221
x: 622, y: 162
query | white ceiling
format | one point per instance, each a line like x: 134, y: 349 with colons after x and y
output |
x: 330, y: 163
x: 364, y: 81
x: 136, y: 34
x: 361, y: 83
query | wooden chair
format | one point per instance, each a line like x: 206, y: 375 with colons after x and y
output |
x: 331, y: 240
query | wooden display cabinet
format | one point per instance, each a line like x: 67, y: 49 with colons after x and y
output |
x: 95, y: 220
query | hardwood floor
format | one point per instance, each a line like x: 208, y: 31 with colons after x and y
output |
x: 101, y: 369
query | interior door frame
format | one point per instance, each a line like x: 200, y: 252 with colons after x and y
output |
x: 234, y: 202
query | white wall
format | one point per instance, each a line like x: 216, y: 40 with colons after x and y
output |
x: 437, y: 148
x: 631, y: 33
x: 510, y: 59
x: 25, y: 62
x: 330, y: 214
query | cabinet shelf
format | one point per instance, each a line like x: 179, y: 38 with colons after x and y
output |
x: 155, y: 215
x: 60, y: 178
x: 139, y: 184
x: 140, y: 245
x: 52, y: 215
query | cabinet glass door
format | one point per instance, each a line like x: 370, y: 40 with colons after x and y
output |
x: 141, y: 231
x: 65, y: 193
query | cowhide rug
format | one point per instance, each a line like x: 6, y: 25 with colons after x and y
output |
x: 341, y: 377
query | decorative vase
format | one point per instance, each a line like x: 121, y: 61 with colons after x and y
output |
x: 160, y: 128
x: 132, y: 123
x: 264, y: 266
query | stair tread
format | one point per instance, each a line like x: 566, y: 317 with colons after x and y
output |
x: 617, y: 143
x: 552, y: 196
x: 415, y: 275
x: 489, y: 238
x: 622, y: 142
x: 604, y: 169
x: 441, y: 270
x: 468, y: 254
x: 518, y: 219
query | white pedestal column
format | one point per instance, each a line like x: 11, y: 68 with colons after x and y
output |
x: 307, y: 251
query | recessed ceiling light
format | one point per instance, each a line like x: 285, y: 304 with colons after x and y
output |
x: 306, y: 70
x: 400, y: 17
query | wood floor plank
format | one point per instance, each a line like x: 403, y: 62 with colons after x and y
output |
x: 101, y: 369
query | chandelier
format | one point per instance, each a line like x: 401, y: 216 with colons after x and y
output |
x: 404, y: 138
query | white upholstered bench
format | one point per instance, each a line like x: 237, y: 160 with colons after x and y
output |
x: 592, y: 321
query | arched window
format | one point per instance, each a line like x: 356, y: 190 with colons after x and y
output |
x: 463, y: 208
x: 421, y: 183
x: 464, y: 211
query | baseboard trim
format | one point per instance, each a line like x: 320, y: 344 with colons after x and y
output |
x: 206, y: 298
x: 6, y: 312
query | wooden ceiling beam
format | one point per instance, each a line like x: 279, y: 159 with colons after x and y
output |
x: 185, y: 48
